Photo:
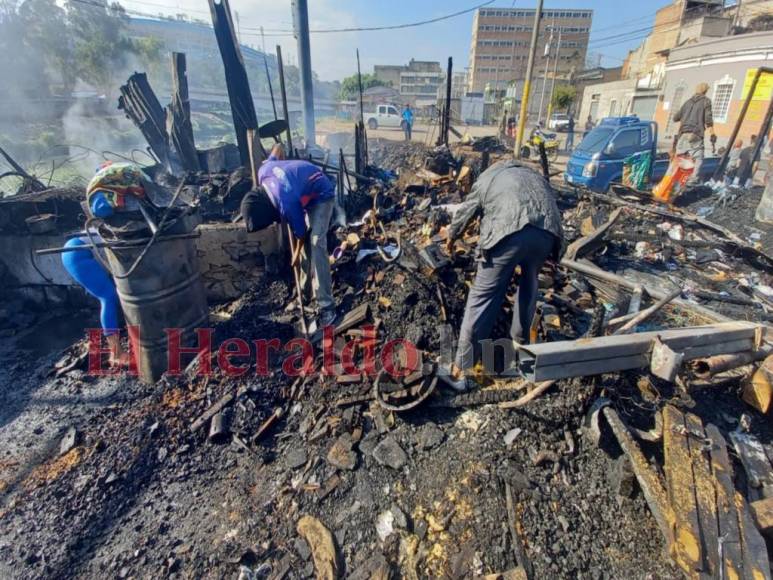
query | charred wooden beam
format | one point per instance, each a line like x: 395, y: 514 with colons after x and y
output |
x: 283, y: 92
x: 178, y: 116
x: 141, y: 105
x: 445, y: 122
x: 34, y: 182
x: 239, y: 95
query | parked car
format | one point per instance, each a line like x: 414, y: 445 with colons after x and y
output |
x: 597, y: 162
x: 385, y: 116
x: 559, y: 122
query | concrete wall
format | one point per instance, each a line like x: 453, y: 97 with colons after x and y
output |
x: 717, y: 61
x: 665, y: 35
x: 622, y: 92
x: 230, y: 259
x: 751, y: 10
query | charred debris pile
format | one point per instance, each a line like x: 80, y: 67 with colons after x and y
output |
x: 638, y: 438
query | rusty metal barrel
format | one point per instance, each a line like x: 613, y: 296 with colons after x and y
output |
x: 165, y: 291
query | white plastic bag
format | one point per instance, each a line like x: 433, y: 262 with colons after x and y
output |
x: 765, y: 209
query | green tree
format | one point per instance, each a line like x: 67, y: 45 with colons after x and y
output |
x: 564, y: 96
x: 154, y: 59
x: 350, y: 88
x: 23, y: 69
x: 42, y: 22
x: 100, y: 43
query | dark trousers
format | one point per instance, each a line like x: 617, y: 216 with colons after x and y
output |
x: 407, y: 130
x: 527, y: 248
x: 570, y: 141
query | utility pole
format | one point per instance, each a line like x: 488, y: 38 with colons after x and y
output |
x: 359, y: 87
x: 527, y: 82
x: 301, y: 28
x: 555, y: 73
x: 545, y: 75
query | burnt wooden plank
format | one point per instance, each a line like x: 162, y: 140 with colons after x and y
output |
x: 141, y: 105
x: 705, y: 494
x: 762, y: 510
x: 756, y: 464
x: 237, y: 83
x: 178, y: 116
x: 649, y: 480
x: 727, y: 518
x: 681, y: 491
x: 587, y: 244
x: 756, y: 565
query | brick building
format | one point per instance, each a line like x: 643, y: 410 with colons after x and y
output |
x: 500, y: 45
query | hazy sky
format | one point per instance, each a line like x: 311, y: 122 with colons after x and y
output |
x: 333, y: 55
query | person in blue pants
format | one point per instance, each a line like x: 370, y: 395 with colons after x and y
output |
x: 87, y: 271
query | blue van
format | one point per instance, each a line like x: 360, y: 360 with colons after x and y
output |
x: 597, y: 162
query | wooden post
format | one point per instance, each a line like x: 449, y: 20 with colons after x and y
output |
x: 257, y: 154
x: 237, y: 83
x: 445, y: 124
x: 282, y: 89
x: 141, y: 105
x: 178, y: 116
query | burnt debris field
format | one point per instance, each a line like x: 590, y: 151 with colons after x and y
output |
x: 644, y: 454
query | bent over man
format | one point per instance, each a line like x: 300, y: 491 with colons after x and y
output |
x: 292, y: 190
x: 520, y: 225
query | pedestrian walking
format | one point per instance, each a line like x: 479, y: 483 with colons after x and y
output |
x: 695, y: 117
x: 570, y: 133
x: 407, y: 121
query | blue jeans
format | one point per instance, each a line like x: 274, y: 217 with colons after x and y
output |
x: 570, y: 141
x: 86, y: 271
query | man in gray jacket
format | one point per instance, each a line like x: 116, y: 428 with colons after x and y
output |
x: 520, y: 225
x: 695, y: 117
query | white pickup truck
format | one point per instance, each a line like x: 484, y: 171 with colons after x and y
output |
x: 384, y: 116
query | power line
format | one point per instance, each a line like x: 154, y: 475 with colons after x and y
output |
x: 677, y: 22
x: 388, y: 27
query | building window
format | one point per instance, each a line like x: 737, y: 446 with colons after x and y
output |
x: 723, y: 92
x: 613, y: 108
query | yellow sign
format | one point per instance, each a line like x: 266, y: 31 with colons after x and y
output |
x: 764, y: 90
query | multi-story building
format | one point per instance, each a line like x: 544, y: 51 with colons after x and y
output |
x: 640, y: 88
x: 417, y: 82
x: 500, y: 45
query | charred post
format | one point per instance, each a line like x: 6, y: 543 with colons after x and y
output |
x: 178, y: 116
x: 239, y: 95
x: 141, y: 105
x: 283, y: 91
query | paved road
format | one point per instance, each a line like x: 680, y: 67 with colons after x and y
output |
x: 422, y: 133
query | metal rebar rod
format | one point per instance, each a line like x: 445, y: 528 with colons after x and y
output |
x: 120, y: 246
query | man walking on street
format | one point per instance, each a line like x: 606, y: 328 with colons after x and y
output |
x: 695, y: 117
x: 570, y: 133
x: 292, y: 191
x: 520, y: 225
x: 407, y: 121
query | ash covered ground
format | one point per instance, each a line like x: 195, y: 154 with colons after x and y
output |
x: 417, y: 494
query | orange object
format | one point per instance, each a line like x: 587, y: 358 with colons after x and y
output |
x: 672, y: 184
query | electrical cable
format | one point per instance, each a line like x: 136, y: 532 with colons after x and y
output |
x: 378, y: 28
